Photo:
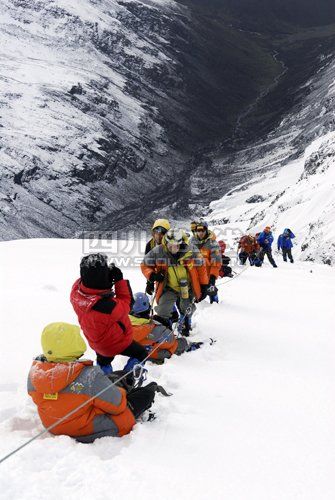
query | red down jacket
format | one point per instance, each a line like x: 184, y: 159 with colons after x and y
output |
x: 107, y: 334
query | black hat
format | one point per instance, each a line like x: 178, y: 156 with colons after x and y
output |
x: 94, y: 271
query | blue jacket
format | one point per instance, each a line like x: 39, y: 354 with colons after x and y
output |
x: 265, y: 240
x: 285, y: 240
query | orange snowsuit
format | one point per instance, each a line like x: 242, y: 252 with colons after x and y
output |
x: 211, y: 252
x: 148, y: 333
x: 58, y: 388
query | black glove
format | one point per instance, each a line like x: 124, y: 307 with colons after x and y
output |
x: 211, y: 290
x: 115, y: 274
x: 150, y: 288
x: 203, y: 293
x: 225, y: 260
x: 157, y: 277
x: 227, y: 272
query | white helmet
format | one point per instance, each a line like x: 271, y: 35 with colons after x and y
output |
x: 175, y: 236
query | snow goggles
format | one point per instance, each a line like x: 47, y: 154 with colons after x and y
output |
x: 160, y: 230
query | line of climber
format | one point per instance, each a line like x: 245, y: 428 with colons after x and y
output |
x: 181, y: 271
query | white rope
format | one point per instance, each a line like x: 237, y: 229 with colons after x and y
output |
x: 72, y: 412
x: 231, y: 279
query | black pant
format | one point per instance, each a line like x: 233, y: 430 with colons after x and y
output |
x: 252, y: 258
x: 267, y: 252
x: 141, y: 399
x: 243, y: 257
x: 287, y: 252
x: 134, y: 350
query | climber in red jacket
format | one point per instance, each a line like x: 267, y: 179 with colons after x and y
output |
x: 103, y: 313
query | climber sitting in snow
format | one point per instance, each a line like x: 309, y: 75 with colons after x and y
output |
x: 154, y: 336
x: 59, y: 382
x: 103, y: 313
x: 285, y: 244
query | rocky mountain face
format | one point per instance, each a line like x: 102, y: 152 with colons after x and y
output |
x: 89, y: 90
x: 114, y: 111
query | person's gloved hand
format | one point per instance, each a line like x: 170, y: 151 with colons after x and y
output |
x: 157, y: 277
x: 115, y: 274
x: 203, y: 293
x: 150, y: 288
x: 211, y: 288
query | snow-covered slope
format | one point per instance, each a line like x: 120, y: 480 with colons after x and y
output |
x: 290, y: 176
x: 251, y: 418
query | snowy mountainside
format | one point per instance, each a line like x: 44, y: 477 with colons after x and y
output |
x: 251, y: 416
x: 290, y: 176
x: 84, y: 109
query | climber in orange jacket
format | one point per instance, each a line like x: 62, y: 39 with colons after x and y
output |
x: 59, y: 382
x: 179, y: 272
x: 205, y: 241
x: 159, y: 340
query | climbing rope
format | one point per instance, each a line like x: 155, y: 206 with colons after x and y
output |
x: 236, y: 276
x: 135, y: 372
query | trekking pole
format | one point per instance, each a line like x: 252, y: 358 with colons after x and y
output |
x: 152, y: 303
x: 182, y: 317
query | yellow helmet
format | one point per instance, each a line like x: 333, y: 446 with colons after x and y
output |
x: 62, y: 342
x: 164, y: 223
